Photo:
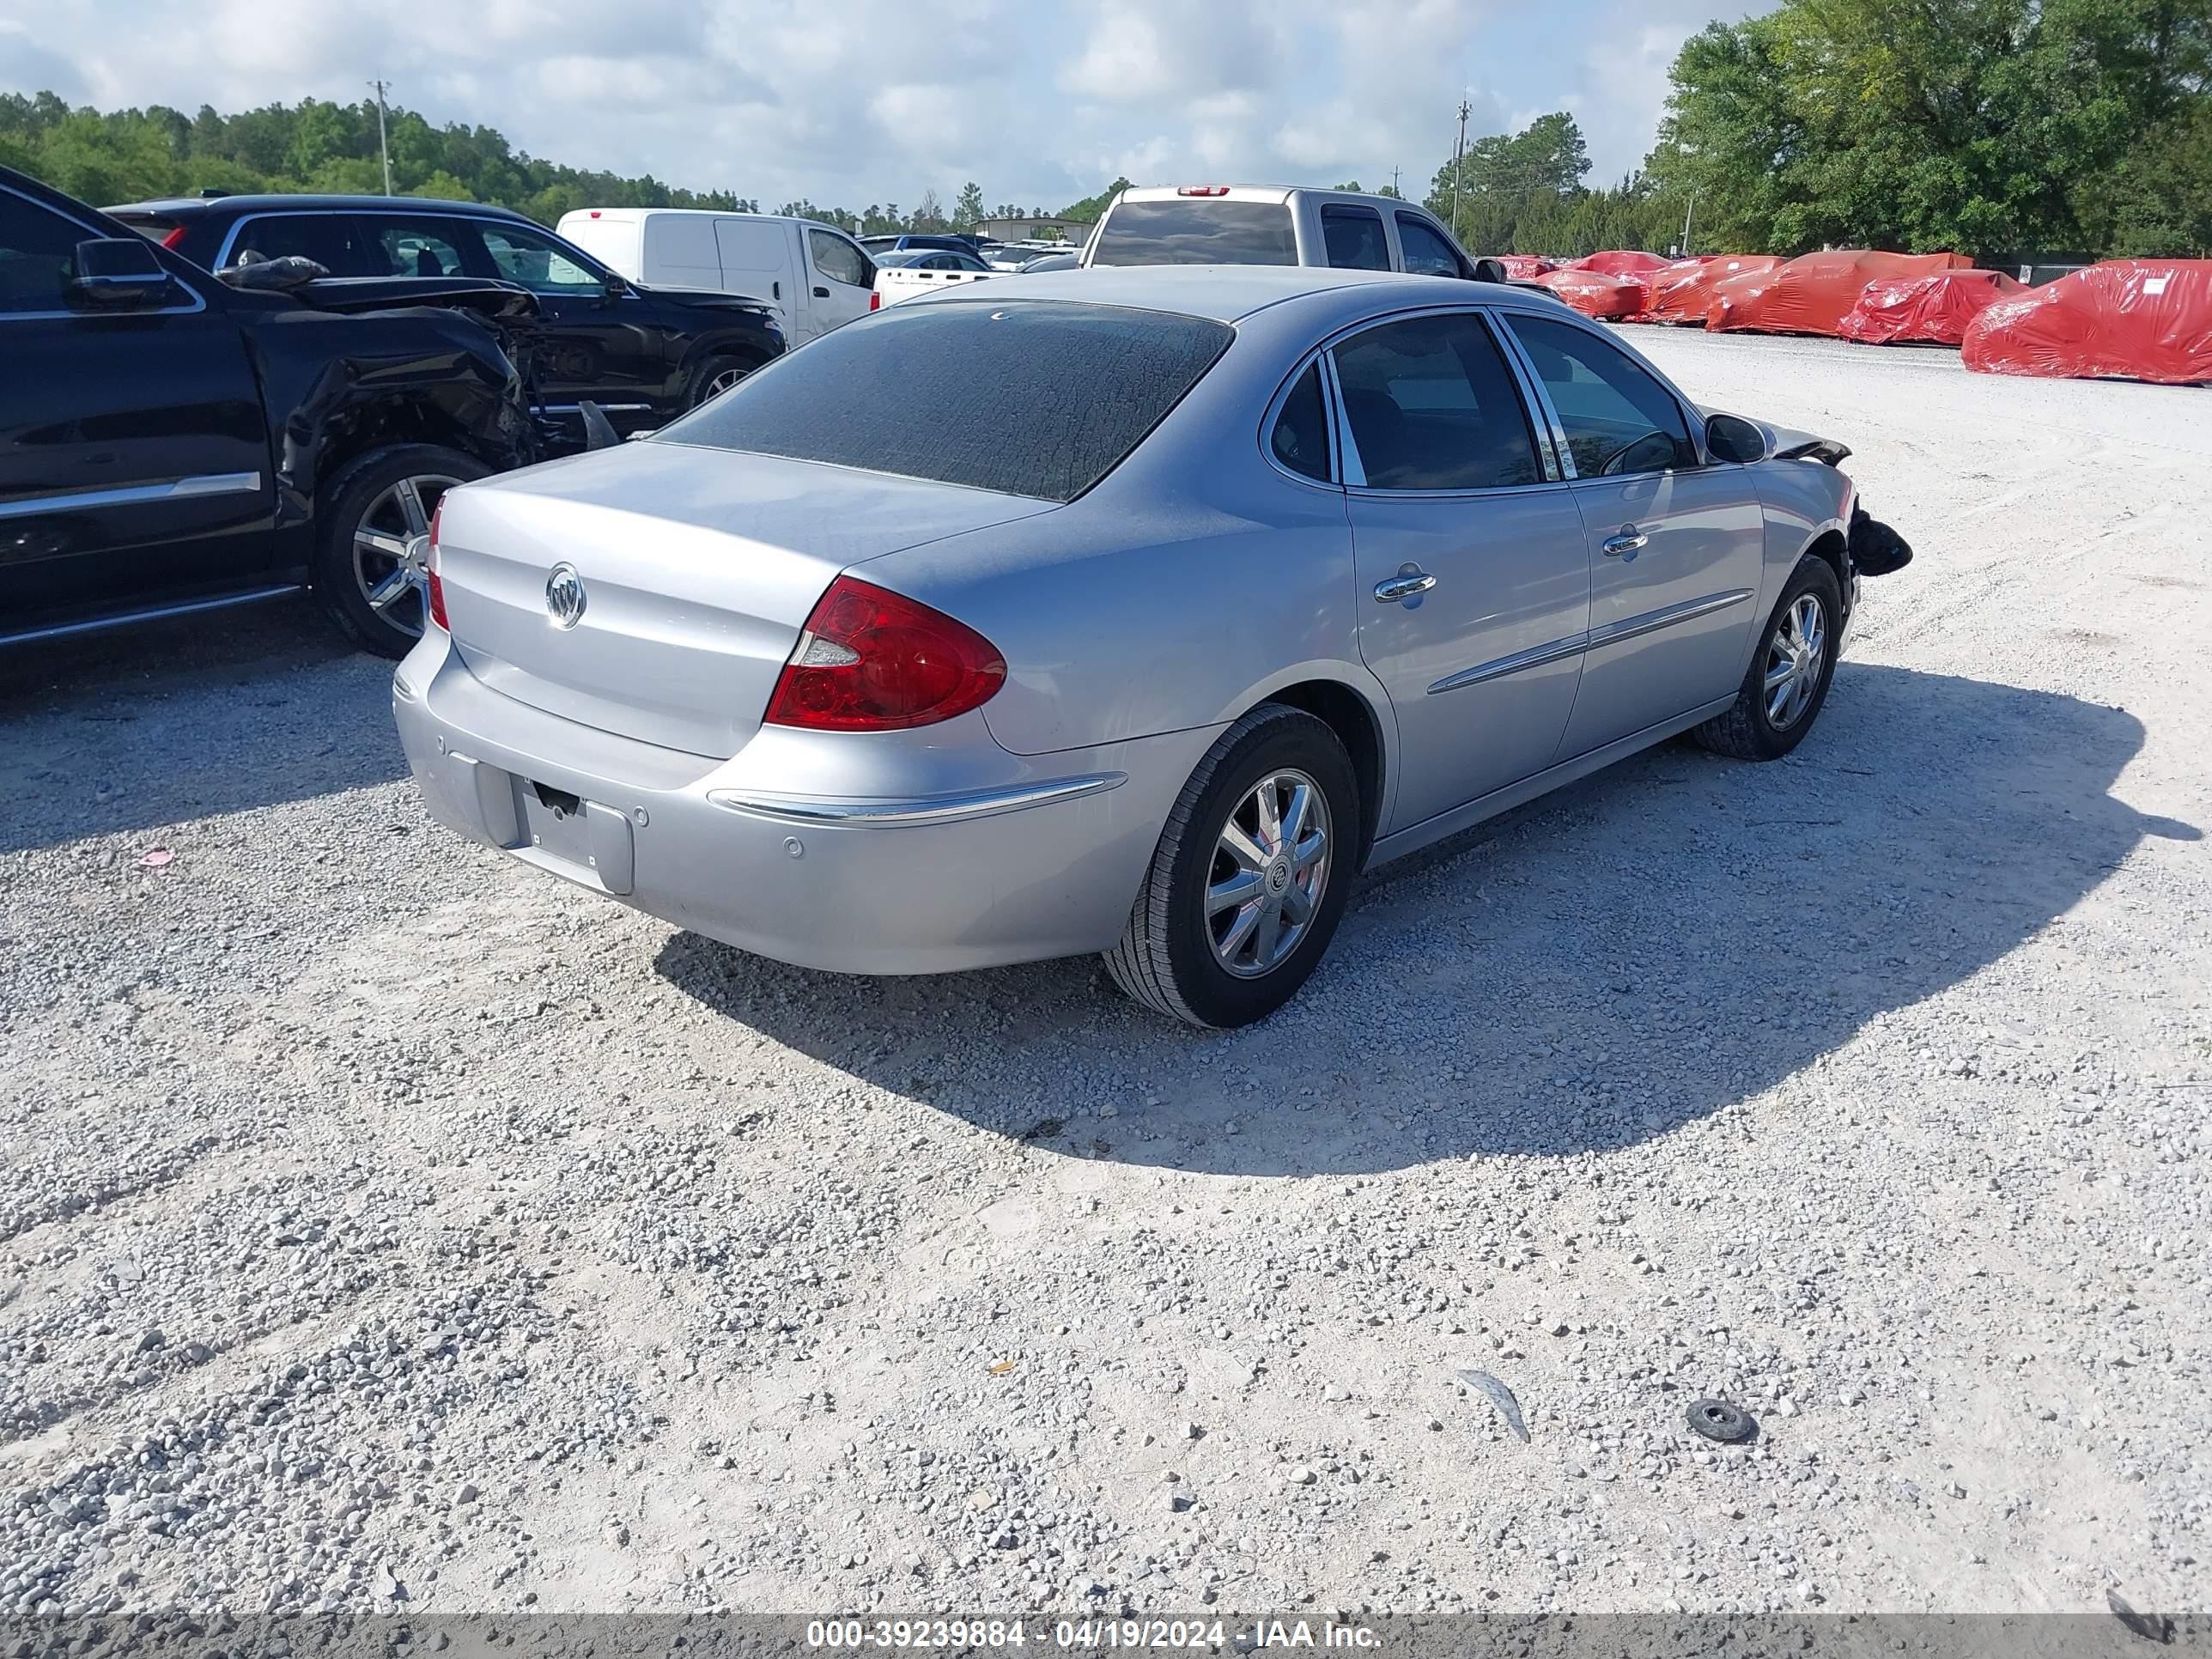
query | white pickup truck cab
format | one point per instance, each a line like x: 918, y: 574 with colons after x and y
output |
x: 815, y: 277
x: 1272, y: 225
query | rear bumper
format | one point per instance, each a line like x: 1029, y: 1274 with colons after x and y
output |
x: 905, y: 853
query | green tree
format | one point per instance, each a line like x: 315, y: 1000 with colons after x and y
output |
x: 1088, y: 211
x: 1977, y: 125
x: 968, y: 209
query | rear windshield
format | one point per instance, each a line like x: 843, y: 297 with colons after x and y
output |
x: 1197, y: 231
x: 1037, y: 397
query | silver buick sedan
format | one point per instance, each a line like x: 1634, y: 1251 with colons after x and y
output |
x: 1155, y: 606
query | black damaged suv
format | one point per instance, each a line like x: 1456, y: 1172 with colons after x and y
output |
x: 644, y: 355
x: 171, y: 443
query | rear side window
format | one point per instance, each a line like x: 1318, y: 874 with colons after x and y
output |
x: 1197, y: 231
x: 1433, y: 406
x: 321, y: 237
x: 1619, y: 420
x: 1427, y: 254
x: 1300, y: 439
x: 1354, y: 236
x: 524, y: 254
x: 1031, y: 398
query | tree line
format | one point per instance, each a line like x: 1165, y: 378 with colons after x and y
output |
x: 1988, y: 127
x: 132, y: 155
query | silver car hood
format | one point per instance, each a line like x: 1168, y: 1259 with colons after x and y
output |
x: 698, y: 567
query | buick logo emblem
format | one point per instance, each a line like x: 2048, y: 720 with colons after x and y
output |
x: 564, y: 596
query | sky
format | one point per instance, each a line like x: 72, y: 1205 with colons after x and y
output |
x: 846, y: 102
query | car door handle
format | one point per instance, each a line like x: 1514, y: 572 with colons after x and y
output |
x: 775, y: 290
x: 1625, y: 544
x: 1408, y: 584
x: 820, y: 292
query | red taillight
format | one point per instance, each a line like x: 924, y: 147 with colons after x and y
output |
x: 595, y: 213
x: 875, y: 302
x: 175, y: 236
x: 873, y: 660
x: 437, y: 587
x: 1202, y: 189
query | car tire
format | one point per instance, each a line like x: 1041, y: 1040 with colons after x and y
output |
x: 1787, y: 683
x: 1171, y: 958
x: 715, y: 376
x: 366, y: 532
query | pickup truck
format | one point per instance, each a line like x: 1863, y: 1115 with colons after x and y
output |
x: 171, y: 443
x: 925, y: 271
x: 1276, y: 225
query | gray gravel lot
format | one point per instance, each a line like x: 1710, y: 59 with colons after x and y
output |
x: 383, y: 1221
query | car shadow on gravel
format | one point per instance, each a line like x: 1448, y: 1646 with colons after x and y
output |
x: 143, y: 727
x: 1641, y: 950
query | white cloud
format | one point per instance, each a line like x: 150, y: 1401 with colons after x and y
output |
x: 878, y: 100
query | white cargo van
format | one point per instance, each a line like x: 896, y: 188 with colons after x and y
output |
x: 816, y: 277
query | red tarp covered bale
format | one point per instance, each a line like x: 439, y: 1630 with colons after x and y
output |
x: 1594, y: 293
x: 1811, y: 294
x: 1524, y: 267
x: 1620, y: 262
x: 1683, y: 292
x: 2134, y: 319
x: 1934, y: 309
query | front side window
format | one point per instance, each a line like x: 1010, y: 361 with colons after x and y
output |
x: 838, y: 259
x: 995, y: 378
x: 38, y: 256
x: 1618, y: 420
x: 1433, y: 406
x: 535, y: 260
x: 1354, y: 239
x: 415, y: 247
x: 1427, y: 254
x: 1197, y: 231
x: 1300, y: 439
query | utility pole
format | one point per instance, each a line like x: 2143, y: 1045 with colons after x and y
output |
x: 1686, y: 212
x: 1459, y: 154
x: 1393, y: 181
x: 383, y: 144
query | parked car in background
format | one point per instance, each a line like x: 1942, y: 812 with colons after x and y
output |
x: 1052, y: 262
x: 1316, y: 568
x: 904, y: 276
x: 1268, y: 225
x: 169, y: 444
x: 946, y: 241
x: 643, y: 354
x: 814, y: 277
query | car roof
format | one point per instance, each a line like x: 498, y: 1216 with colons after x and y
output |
x: 1228, y: 294
x: 187, y: 207
x: 1274, y: 194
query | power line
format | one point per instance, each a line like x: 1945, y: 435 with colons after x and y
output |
x: 383, y: 145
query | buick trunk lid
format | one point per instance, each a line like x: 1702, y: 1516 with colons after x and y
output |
x: 697, y: 569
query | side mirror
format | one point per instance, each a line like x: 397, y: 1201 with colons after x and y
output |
x: 616, y: 287
x: 1489, y: 271
x: 117, y: 272
x: 1732, y: 438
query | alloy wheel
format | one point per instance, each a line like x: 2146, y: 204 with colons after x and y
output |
x: 392, y: 551
x: 1271, y: 866
x: 1796, y: 656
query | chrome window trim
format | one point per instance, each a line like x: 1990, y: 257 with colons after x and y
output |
x: 1536, y: 656
x: 1332, y: 483
x: 1558, y: 464
x: 929, y: 809
x: 1525, y: 366
x: 1651, y: 621
x: 1351, y: 471
x: 1350, y: 448
x: 1692, y: 422
x: 178, y: 490
x: 97, y: 233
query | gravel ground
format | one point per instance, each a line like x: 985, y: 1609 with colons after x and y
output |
x: 382, y: 1220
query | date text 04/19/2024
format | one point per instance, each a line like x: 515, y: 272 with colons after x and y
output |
x: 1213, y: 1635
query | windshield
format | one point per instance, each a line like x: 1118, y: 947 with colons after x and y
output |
x: 1205, y: 231
x: 996, y: 378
